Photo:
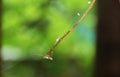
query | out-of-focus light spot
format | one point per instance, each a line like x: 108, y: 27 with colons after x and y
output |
x: 11, y: 53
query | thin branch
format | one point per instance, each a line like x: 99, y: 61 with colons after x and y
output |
x: 47, y: 55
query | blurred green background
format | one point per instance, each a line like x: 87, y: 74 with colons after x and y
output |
x: 31, y: 27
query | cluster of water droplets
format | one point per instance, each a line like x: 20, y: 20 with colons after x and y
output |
x: 89, y: 2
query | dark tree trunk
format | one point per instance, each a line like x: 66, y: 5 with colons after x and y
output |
x: 108, y: 39
x: 0, y: 37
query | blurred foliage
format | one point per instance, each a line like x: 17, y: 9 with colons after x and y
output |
x: 30, y: 28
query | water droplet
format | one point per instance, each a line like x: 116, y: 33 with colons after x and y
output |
x: 78, y: 14
x: 57, y: 39
x: 89, y: 2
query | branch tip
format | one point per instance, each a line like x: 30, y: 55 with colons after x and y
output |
x: 48, y: 57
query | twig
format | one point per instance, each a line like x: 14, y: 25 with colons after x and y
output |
x: 47, y: 55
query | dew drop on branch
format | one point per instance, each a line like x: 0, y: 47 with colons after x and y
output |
x: 78, y: 14
x: 57, y: 39
x: 89, y: 2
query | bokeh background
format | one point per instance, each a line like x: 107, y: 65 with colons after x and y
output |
x: 31, y: 27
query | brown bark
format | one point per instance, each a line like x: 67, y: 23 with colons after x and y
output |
x: 108, y: 39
